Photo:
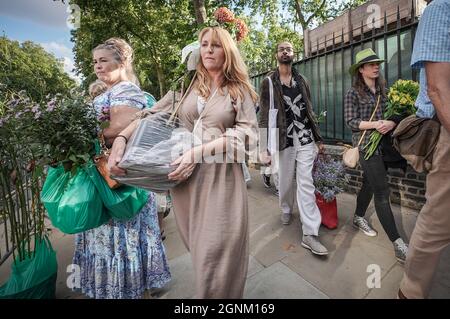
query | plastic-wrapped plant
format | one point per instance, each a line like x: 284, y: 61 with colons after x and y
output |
x: 329, y: 177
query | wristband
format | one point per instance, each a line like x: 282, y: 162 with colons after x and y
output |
x: 126, y: 140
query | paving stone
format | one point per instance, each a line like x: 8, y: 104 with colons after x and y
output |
x: 279, y: 267
x: 279, y: 282
x: 343, y: 273
x: 182, y: 285
x: 254, y: 267
x: 389, y: 284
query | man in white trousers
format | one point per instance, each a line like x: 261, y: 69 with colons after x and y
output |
x: 289, y: 93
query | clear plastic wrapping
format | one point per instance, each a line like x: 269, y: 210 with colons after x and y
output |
x: 155, y: 144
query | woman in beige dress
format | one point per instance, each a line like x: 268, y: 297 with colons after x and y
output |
x: 210, y: 203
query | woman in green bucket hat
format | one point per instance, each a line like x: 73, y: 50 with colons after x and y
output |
x: 360, y: 103
x: 364, y: 57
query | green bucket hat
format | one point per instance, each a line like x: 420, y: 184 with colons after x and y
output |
x: 363, y: 57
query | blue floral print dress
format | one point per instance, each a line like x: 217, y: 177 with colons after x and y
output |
x: 120, y: 260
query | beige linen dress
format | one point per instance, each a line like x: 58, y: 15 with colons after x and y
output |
x: 211, y: 208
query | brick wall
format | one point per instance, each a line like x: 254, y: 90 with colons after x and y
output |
x: 406, y: 190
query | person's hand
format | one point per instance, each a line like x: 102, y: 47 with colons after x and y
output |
x: 115, y: 156
x: 385, y: 126
x: 376, y: 125
x: 265, y: 158
x: 321, y: 148
x: 186, y: 164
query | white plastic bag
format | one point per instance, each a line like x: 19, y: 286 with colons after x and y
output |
x: 155, y: 144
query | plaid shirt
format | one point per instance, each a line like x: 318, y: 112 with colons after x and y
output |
x: 432, y: 43
x: 359, y: 108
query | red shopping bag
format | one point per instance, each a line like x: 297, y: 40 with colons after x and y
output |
x: 328, y: 211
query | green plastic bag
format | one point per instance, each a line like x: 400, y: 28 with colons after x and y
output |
x: 122, y: 203
x: 53, y: 190
x: 35, y: 276
x: 72, y: 202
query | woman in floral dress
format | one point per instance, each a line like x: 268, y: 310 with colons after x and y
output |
x: 121, y: 259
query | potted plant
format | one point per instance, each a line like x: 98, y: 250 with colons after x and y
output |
x: 329, y: 180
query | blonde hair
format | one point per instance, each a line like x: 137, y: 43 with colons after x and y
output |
x: 96, y: 88
x: 234, y: 69
x: 123, y: 54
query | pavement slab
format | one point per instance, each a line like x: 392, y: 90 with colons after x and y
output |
x: 279, y: 266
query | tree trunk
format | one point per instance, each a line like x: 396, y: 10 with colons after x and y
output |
x: 301, y: 19
x: 200, y: 11
x: 161, y: 80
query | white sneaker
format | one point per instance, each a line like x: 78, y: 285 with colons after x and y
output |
x: 401, y: 250
x: 286, y: 218
x: 266, y: 181
x: 312, y: 243
x: 362, y: 224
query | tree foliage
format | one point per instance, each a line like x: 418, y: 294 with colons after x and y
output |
x: 158, y: 30
x: 29, y: 67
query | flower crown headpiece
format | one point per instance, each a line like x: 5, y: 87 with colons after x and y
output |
x: 224, y: 18
x: 236, y: 27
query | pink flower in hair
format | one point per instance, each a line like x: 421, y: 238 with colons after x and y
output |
x: 242, y: 29
x: 224, y: 15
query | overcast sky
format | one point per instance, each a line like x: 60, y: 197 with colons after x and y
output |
x: 45, y: 12
x: 41, y: 21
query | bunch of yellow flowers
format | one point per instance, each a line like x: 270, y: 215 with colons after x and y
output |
x: 401, y: 98
x: 401, y: 101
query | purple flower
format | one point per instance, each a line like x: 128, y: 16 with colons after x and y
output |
x: 37, y: 115
x: 104, y: 115
x: 35, y: 108
x: 18, y: 115
x: 328, y: 178
x: 13, y: 103
x: 51, y: 105
x: 103, y: 118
